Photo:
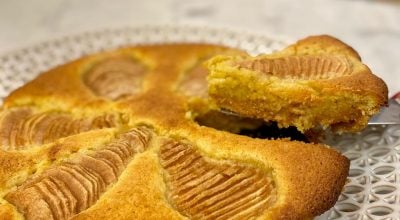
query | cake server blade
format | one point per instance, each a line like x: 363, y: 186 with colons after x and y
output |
x: 388, y: 115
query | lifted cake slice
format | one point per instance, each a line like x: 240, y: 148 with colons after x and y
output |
x: 319, y: 81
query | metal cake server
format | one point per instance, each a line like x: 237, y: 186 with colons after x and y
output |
x: 388, y: 115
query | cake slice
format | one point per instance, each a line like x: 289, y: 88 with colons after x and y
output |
x: 318, y: 81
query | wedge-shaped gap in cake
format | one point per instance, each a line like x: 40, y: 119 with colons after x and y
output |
x: 77, y: 183
x: 306, y: 67
x: 23, y: 127
x: 116, y: 77
x: 201, y: 187
x: 251, y: 127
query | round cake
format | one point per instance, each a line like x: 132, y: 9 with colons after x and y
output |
x: 122, y: 135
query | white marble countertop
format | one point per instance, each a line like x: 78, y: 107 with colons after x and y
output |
x: 371, y: 27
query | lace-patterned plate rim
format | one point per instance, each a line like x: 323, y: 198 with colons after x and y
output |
x: 373, y: 190
x: 166, y: 29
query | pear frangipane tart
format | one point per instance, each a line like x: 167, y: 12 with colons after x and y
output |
x: 111, y: 136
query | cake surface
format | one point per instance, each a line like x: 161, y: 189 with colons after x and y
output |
x: 317, y: 82
x: 112, y: 136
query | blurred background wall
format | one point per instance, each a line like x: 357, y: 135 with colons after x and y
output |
x: 371, y: 27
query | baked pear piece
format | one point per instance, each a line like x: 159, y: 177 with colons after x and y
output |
x: 107, y: 137
x: 317, y: 82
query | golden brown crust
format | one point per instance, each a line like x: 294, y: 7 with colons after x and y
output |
x: 318, y: 81
x: 320, y: 44
x: 307, y: 178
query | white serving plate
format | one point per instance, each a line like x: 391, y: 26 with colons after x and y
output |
x: 373, y: 188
